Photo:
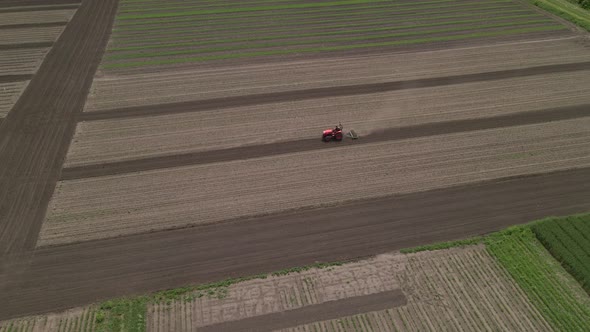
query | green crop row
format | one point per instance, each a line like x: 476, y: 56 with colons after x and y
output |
x: 230, y: 17
x: 322, y: 4
x: 286, y: 26
x: 553, y: 292
x: 333, y: 48
x: 326, y: 33
x: 568, y: 240
x: 165, y: 6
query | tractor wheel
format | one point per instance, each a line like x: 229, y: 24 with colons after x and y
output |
x: 338, y: 137
x: 327, y: 138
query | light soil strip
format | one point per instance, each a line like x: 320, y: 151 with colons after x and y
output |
x: 78, y: 319
x: 139, y: 202
x: 33, y: 17
x: 21, y: 61
x: 461, y: 289
x: 133, y: 138
x: 118, y: 90
x: 9, y: 93
x: 30, y: 35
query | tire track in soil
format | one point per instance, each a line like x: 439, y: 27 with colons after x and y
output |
x: 6, y: 4
x: 15, y: 78
x: 287, y: 147
x: 33, y: 25
x: 4, y: 47
x: 35, y: 135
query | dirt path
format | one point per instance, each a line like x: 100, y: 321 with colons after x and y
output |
x: 35, y: 135
x: 77, y: 274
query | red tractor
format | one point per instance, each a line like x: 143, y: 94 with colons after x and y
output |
x: 333, y: 134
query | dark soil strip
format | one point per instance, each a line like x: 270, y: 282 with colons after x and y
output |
x: 36, y: 133
x: 4, y: 47
x: 71, y: 275
x: 348, y: 90
x: 33, y: 25
x: 15, y: 78
x: 64, y: 4
x: 313, y: 313
x: 273, y: 149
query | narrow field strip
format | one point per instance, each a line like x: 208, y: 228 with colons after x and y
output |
x: 320, y: 49
x: 160, y: 7
x: 35, y: 17
x: 365, y: 11
x: 75, y: 320
x: 325, y: 92
x: 311, y: 144
x: 30, y: 35
x: 356, y: 31
x: 280, y: 25
x: 21, y: 61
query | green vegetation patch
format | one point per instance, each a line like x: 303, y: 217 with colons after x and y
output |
x: 250, y: 9
x: 126, y: 314
x: 444, y: 245
x: 549, y: 287
x: 568, y: 240
x: 329, y: 48
x: 566, y: 10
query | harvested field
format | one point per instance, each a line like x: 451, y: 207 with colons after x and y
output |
x: 177, y: 32
x: 79, y: 319
x: 35, y: 17
x: 458, y: 289
x: 177, y: 197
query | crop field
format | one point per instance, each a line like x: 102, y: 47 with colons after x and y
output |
x: 151, y: 144
x: 155, y: 33
x: 550, y: 288
x: 22, y: 49
x: 568, y: 240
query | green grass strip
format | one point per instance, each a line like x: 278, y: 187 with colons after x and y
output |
x: 310, y: 22
x: 332, y: 48
x: 292, y: 16
x: 549, y: 287
x: 318, y: 34
x: 351, y: 11
x: 250, y: 9
x: 187, y: 35
x: 309, y: 13
x: 162, y: 6
x: 444, y: 245
x: 128, y: 314
x: 317, y: 41
x: 566, y: 10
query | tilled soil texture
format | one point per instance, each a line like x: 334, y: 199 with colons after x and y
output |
x: 108, y: 206
x: 159, y: 33
x: 79, y: 320
x: 457, y: 289
x: 72, y: 275
x: 20, y: 31
x: 35, y: 135
x: 195, y: 83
